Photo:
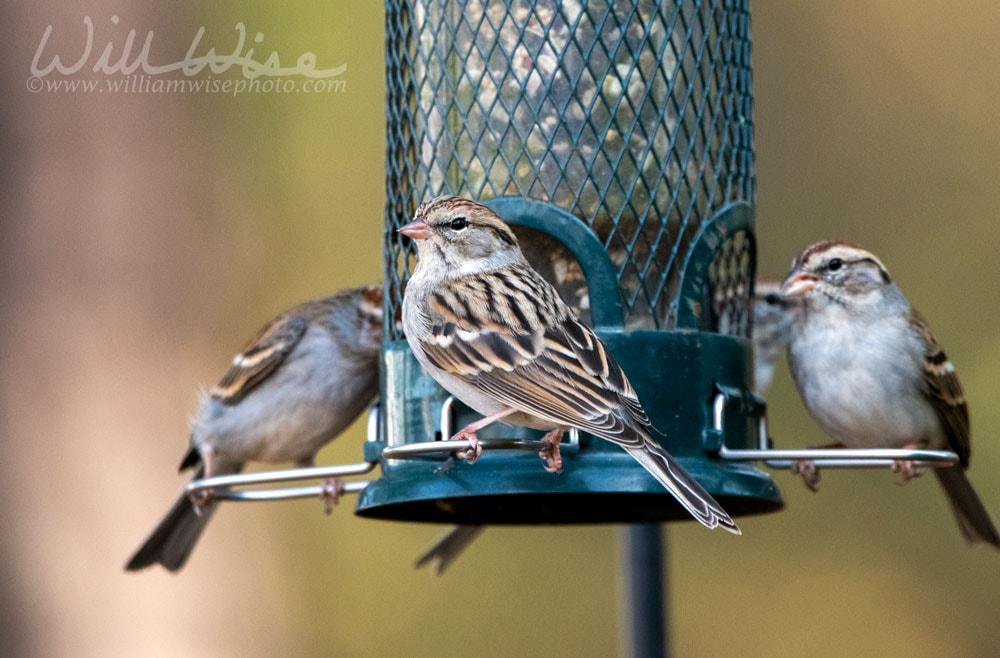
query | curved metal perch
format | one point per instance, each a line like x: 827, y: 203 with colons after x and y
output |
x: 225, y: 486
x: 823, y: 457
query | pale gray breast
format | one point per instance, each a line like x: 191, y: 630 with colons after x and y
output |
x: 858, y: 381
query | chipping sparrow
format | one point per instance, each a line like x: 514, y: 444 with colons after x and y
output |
x: 772, y: 323
x: 872, y: 373
x: 497, y: 336
x: 294, y: 387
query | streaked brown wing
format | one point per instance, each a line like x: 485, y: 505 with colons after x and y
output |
x: 562, y: 374
x: 259, y: 358
x: 945, y: 392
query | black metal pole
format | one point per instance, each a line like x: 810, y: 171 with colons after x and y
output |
x: 644, y: 620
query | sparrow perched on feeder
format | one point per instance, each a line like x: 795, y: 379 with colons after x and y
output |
x: 872, y: 373
x: 772, y: 323
x: 498, y: 337
x: 295, y: 386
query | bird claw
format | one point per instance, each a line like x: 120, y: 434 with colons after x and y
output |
x: 906, y: 469
x: 550, y: 453
x: 332, y: 488
x: 807, y: 469
x: 475, y: 449
x: 202, y: 500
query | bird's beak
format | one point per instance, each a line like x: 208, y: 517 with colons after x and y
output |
x: 798, y: 283
x: 417, y: 230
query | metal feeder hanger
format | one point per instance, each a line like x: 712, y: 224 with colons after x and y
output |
x: 617, y: 138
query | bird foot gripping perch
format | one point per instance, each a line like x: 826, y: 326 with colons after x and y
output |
x: 908, y: 469
x: 468, y: 433
x: 475, y: 450
x: 807, y: 469
x: 332, y: 489
x: 201, y: 500
x: 550, y: 453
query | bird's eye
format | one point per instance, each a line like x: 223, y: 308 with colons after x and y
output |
x: 834, y: 265
x: 772, y: 298
x: 459, y: 223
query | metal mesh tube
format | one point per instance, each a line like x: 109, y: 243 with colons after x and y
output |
x: 633, y: 116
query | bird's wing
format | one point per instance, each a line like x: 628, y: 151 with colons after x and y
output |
x: 945, y: 392
x: 523, y: 347
x: 260, y: 357
x: 527, y: 351
x: 572, y: 380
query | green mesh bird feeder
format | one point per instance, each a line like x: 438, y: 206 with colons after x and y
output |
x: 621, y: 132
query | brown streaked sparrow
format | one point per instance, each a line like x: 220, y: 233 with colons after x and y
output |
x: 295, y: 386
x: 498, y: 337
x: 773, y: 315
x: 872, y: 373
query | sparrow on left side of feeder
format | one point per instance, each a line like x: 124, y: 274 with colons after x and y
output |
x: 499, y: 338
x: 292, y: 389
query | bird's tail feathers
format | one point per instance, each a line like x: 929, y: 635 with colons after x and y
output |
x: 684, y: 488
x: 447, y: 548
x: 973, y: 519
x: 172, y: 541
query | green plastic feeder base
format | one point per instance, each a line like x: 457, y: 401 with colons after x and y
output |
x: 600, y: 483
x: 592, y: 489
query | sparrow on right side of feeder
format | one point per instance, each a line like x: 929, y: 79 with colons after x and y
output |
x: 872, y: 373
x: 293, y: 388
x: 499, y: 338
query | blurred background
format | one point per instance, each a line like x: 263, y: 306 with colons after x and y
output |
x: 145, y: 237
